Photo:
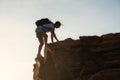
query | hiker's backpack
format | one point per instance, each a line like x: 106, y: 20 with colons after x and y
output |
x: 42, y: 21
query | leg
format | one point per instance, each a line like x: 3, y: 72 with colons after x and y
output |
x: 45, y: 38
x: 45, y: 50
x: 40, y: 38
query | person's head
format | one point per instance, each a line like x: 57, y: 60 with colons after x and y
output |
x: 57, y: 24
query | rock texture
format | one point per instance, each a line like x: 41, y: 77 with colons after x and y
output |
x: 89, y: 58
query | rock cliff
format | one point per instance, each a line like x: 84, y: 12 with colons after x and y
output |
x: 89, y: 58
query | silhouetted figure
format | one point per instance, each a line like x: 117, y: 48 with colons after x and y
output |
x: 43, y: 26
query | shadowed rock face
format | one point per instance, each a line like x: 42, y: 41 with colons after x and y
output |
x: 89, y: 58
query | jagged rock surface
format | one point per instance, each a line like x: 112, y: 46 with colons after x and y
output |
x: 89, y: 58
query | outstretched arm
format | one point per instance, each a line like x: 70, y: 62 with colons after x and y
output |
x: 53, y: 35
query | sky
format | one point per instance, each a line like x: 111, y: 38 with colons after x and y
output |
x: 18, y: 42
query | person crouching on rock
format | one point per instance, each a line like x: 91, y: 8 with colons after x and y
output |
x: 43, y: 26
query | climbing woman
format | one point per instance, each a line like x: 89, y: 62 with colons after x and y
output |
x: 43, y: 26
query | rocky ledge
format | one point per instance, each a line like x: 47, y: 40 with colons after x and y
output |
x: 88, y: 58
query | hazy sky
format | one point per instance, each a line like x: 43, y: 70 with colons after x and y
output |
x: 18, y: 43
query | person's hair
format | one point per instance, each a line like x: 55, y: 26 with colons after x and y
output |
x: 57, y: 24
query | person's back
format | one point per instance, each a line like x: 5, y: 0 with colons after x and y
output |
x: 44, y: 25
x: 43, y: 21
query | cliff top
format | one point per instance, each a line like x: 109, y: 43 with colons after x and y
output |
x: 88, y: 58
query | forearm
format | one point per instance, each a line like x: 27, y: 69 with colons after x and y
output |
x: 55, y: 37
